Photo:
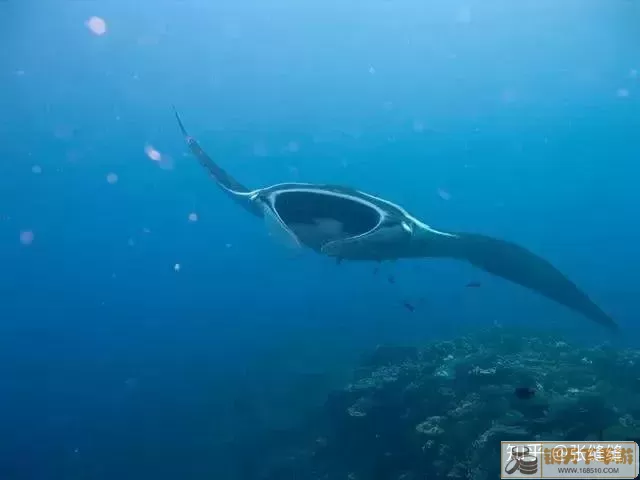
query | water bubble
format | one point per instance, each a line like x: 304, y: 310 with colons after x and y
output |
x: 97, y: 25
x: 622, y: 93
x: 112, y: 178
x: 193, y: 217
x: 177, y: 267
x: 37, y: 169
x: 372, y: 70
x: 26, y: 237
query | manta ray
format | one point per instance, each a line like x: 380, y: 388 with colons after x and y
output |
x: 348, y: 224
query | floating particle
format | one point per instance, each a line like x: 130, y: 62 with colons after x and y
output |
x: 19, y: 73
x: 146, y: 230
x: 473, y: 284
x: 260, y: 150
x: 97, y: 25
x: 37, y: 169
x: 372, y: 70
x: 63, y: 132
x: 391, y: 279
x: 227, y: 245
x: 166, y: 162
x: 294, y: 171
x: 152, y: 153
x: 73, y: 156
x: 293, y: 147
x: 112, y: 178
x: 418, y: 126
x: 193, y: 217
x: 26, y: 237
x: 131, y: 242
x: 633, y: 73
x: 176, y: 267
x: 509, y: 96
x: 443, y: 194
x: 232, y: 30
x: 622, y: 92
x: 131, y: 382
x: 463, y: 15
x: 148, y: 40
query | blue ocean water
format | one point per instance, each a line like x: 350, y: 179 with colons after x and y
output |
x: 147, y: 323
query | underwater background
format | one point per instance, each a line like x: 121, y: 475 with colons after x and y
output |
x: 150, y: 329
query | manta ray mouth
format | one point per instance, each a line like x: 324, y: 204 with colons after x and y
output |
x: 319, y: 217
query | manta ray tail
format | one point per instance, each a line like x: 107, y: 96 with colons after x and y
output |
x: 229, y: 185
x: 517, y: 264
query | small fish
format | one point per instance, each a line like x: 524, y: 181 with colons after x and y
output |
x: 408, y: 306
x: 473, y: 284
x: 391, y: 279
x: 524, y: 393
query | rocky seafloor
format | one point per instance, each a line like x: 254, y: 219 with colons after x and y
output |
x: 441, y: 410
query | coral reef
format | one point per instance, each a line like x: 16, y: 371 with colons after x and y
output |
x: 440, y: 411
